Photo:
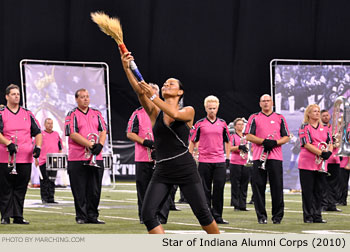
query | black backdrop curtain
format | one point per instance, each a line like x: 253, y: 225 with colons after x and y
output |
x: 220, y: 47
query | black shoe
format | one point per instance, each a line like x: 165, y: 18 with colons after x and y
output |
x: 182, y: 201
x: 44, y: 201
x: 52, y: 202
x: 81, y: 221
x: 244, y: 209
x: 262, y: 221
x: 20, y: 221
x: 174, y: 208
x: 95, y: 221
x: 309, y: 221
x: 276, y: 222
x: 221, y: 221
x: 333, y: 209
x: 141, y: 222
x: 5, y: 221
x: 320, y: 221
x: 236, y: 209
x: 251, y: 202
x: 323, y: 209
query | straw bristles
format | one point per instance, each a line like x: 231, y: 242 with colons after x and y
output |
x: 109, y: 25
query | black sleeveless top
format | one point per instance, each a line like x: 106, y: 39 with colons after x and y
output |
x: 174, y: 163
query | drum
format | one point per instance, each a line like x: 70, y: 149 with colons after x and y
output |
x: 55, y: 161
x: 107, y: 160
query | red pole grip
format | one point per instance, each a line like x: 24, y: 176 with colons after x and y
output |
x: 123, y: 48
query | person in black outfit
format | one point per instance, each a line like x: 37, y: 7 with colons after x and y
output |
x: 174, y: 164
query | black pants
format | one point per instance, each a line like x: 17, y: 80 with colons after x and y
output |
x: 239, y: 177
x: 144, y: 172
x: 86, y: 183
x: 213, y: 177
x: 157, y: 193
x: 331, y: 187
x: 274, y: 172
x: 47, y: 184
x: 13, y: 189
x: 344, y: 186
x: 311, y: 193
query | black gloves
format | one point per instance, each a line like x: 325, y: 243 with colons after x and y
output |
x: 243, y: 148
x: 148, y: 143
x: 227, y: 163
x: 96, y: 149
x: 269, y: 144
x: 36, y: 152
x: 12, y: 148
x: 326, y: 154
x: 153, y: 154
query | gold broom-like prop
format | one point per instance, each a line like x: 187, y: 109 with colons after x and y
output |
x: 112, y: 27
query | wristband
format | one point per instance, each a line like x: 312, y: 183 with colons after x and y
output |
x: 152, y: 97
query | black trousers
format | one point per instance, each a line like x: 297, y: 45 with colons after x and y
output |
x: 344, y: 186
x: 311, y: 192
x: 239, y: 177
x: 274, y: 172
x: 13, y: 189
x: 144, y: 172
x: 86, y: 183
x: 47, y: 184
x: 157, y: 193
x: 213, y: 177
x: 331, y: 187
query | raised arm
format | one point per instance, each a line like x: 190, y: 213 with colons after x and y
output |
x: 151, y: 110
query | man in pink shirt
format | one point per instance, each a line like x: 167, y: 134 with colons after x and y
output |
x: 267, y: 131
x: 211, y: 133
x: 85, y: 179
x: 19, y: 125
x: 52, y: 143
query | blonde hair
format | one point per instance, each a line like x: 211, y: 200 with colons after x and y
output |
x: 308, y: 110
x: 211, y: 98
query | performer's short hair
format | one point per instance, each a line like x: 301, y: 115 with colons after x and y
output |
x: 211, y: 98
x: 237, y: 120
x: 323, y: 111
x: 266, y: 95
x: 11, y: 86
x: 47, y: 119
x: 77, y: 92
x: 307, y: 111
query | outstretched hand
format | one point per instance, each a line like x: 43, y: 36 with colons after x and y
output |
x: 146, y: 88
x: 126, y: 58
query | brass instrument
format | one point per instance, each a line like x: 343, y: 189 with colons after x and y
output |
x: 94, y: 139
x: 323, y: 146
x: 13, y: 164
x: 265, y: 154
x: 249, y: 162
x: 340, y: 124
x: 243, y: 141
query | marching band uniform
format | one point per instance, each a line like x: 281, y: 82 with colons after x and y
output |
x: 13, y: 188
x: 239, y: 176
x: 52, y: 143
x: 212, y: 166
x: 85, y: 180
x: 310, y: 177
x: 262, y: 125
